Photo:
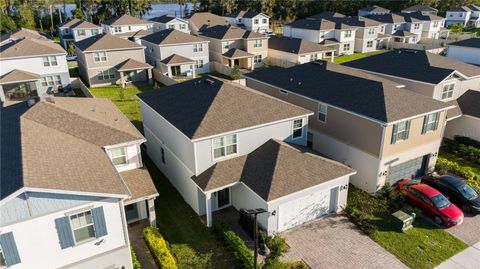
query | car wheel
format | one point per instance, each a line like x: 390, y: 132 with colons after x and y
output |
x: 465, y: 208
x: 438, y: 220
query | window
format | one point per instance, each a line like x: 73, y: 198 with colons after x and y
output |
x: 400, y: 131
x: 171, y: 26
x: 51, y: 81
x: 117, y: 29
x: 369, y: 44
x: 255, y: 21
x: 382, y: 29
x: 395, y: 27
x: 430, y: 122
x: 163, y: 155
x: 309, y: 140
x: 198, y: 64
x: 118, y: 156
x: 224, y: 146
x: 435, y: 24
x: 106, y: 75
x: 264, y: 21
x: 82, y: 226
x: 416, y: 26
x: 313, y: 57
x: 3, y: 263
x: 129, y: 28
x: 348, y: 33
x: 197, y: 47
x: 99, y: 57
x: 447, y: 91
x: 346, y: 47
x: 183, y: 26
x: 297, y: 128
x: 460, y: 15
x: 322, y: 113
x: 225, y: 45
x: 257, y: 43
x: 95, y: 31
x: 81, y: 33
x: 257, y: 59
x: 50, y: 61
x: 371, y: 31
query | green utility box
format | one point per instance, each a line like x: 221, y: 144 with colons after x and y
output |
x: 403, y: 221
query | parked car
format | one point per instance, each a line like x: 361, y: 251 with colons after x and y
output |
x: 432, y: 202
x: 71, y: 57
x: 457, y: 191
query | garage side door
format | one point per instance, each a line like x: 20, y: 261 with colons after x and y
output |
x: 304, y: 209
x: 410, y: 169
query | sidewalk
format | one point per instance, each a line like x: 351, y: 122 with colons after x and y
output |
x: 467, y: 259
x: 135, y: 232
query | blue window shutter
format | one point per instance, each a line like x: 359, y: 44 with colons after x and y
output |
x: 394, y: 134
x: 407, y: 129
x: 99, y: 222
x: 10, y: 251
x: 64, y: 232
x: 425, y: 121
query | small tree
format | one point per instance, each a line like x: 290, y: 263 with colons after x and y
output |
x: 71, y: 49
x: 235, y: 74
x: 121, y: 93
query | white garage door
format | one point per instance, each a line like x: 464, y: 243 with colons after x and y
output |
x: 306, y: 208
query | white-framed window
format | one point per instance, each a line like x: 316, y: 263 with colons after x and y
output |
x: 255, y: 21
x: 435, y: 24
x: 106, y: 74
x: 313, y: 57
x: 171, y: 26
x: 82, y: 226
x: 81, y: 33
x: 400, y: 131
x: 346, y: 47
x: 257, y: 43
x: 264, y: 21
x: 226, y: 44
x: 224, y: 146
x: 199, y: 64
x: 129, y: 28
x: 416, y: 26
x: 51, y: 81
x: 118, y: 156
x: 382, y: 29
x: 117, y: 29
x: 257, y: 59
x: 297, y: 128
x: 348, y: 33
x: 322, y: 112
x: 371, y: 31
x: 95, y: 31
x: 198, y: 47
x: 369, y: 44
x: 430, y: 122
x: 3, y: 263
x: 99, y: 57
x: 447, y: 91
x: 183, y: 26
x: 50, y: 61
x: 395, y: 27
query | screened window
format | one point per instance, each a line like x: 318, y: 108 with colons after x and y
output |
x: 82, y: 226
x: 50, y: 61
x: 99, y: 57
x: 400, y: 131
x: 118, y: 155
x: 51, y: 81
x: 430, y: 122
x: 197, y: 48
x: 297, y: 128
x: 257, y: 59
x: 322, y: 113
x: 106, y: 75
x: 447, y: 91
x: 224, y: 146
x: 257, y: 43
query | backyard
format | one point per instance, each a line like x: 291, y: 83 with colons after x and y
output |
x: 355, y: 56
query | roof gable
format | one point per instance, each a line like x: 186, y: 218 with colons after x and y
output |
x: 30, y: 47
x: 106, y: 42
x: 171, y: 36
x: 125, y: 20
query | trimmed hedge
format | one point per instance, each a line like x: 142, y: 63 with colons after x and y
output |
x: 243, y: 256
x: 445, y: 166
x: 135, y: 262
x: 158, y: 247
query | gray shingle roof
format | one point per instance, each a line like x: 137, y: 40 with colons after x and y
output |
x: 473, y: 42
x: 125, y: 20
x: 229, y: 32
x: 30, y: 47
x: 79, y: 24
x: 375, y: 8
x: 105, y: 42
x: 171, y: 36
x: 139, y: 182
x: 414, y: 64
x: 237, y: 53
x: 469, y: 103
x: 131, y: 64
x: 273, y: 170
x: 177, y: 59
x: 211, y: 109
x: 295, y: 45
x: 163, y: 19
x: 22, y: 33
x: 421, y: 8
x: 359, y: 92
x: 202, y: 20
x: 402, y: 33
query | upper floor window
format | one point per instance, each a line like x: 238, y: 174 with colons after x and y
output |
x: 224, y: 146
x: 297, y: 128
x: 51, y: 81
x: 255, y: 21
x: 371, y: 31
x: 183, y: 26
x: 171, y: 26
x: 257, y: 43
x: 257, y: 59
x: 447, y: 91
x: 117, y: 29
x: 400, y: 131
x: 118, y: 156
x: 81, y: 33
x: 395, y: 27
x: 435, y: 24
x: 430, y: 122
x: 100, y: 57
x: 416, y: 26
x: 82, y: 226
x: 226, y: 44
x: 197, y: 47
x: 348, y: 33
x: 322, y: 112
x: 50, y: 61
x: 382, y: 29
x: 95, y: 31
x: 264, y: 21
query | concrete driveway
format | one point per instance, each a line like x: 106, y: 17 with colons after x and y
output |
x: 335, y: 242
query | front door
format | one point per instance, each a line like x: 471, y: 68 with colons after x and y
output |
x: 131, y: 212
x: 176, y: 70
x: 223, y: 198
x: 236, y: 62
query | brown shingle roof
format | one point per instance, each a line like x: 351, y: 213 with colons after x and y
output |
x: 213, y: 108
x: 22, y: 33
x: 172, y: 36
x: 139, y: 182
x: 125, y: 20
x: 79, y: 24
x: 30, y: 47
x: 224, y: 32
x: 202, y: 20
x: 131, y: 64
x: 17, y: 75
x: 106, y: 42
x: 237, y: 53
x: 176, y: 59
x: 295, y: 45
x: 273, y: 170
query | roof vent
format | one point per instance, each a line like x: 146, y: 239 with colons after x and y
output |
x: 411, y: 51
x: 291, y: 79
x: 299, y: 83
x: 209, y: 81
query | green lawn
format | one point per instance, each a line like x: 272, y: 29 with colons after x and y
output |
x: 422, y: 247
x: 78, y: 93
x: 73, y: 71
x: 355, y: 56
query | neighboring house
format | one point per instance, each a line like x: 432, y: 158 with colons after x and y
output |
x: 126, y: 26
x: 466, y: 50
x: 107, y: 59
x: 252, y: 21
x: 75, y: 30
x: 234, y: 147
x: 31, y: 67
x: 199, y: 21
x: 423, y: 9
x: 467, y: 16
x: 296, y: 51
x: 169, y: 22
x: 469, y: 123
x: 177, y: 53
x: 72, y: 179
x: 373, y: 10
x: 231, y: 45
x: 21, y: 33
x: 361, y: 120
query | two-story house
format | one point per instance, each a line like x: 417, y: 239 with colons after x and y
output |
x: 199, y: 21
x: 177, y: 53
x: 231, y: 45
x: 169, y: 22
x: 373, y: 10
x: 31, y: 67
x: 106, y: 59
x: 126, y: 26
x: 467, y: 50
x: 231, y: 146
x: 468, y: 16
x: 72, y: 180
x: 296, y: 51
x: 437, y: 77
x: 423, y: 9
x: 401, y: 28
x: 252, y: 21
x: 397, y: 133
x: 75, y: 30
x: 21, y: 33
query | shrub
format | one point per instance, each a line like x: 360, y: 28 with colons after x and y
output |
x: 363, y: 220
x: 464, y: 147
x: 467, y: 141
x: 445, y: 166
x: 235, y: 73
x: 158, y: 247
x: 242, y: 255
x: 189, y: 259
x: 277, y: 245
x: 135, y: 262
x: 393, y: 199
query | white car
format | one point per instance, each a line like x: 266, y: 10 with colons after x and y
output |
x: 71, y: 57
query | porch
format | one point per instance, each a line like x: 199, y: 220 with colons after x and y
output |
x: 240, y: 58
x: 382, y: 41
x: 404, y: 37
x: 18, y: 85
x: 178, y: 67
x: 132, y: 70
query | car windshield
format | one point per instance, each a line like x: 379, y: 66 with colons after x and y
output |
x: 468, y: 192
x: 440, y: 201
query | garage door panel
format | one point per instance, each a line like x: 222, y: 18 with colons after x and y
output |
x: 409, y: 169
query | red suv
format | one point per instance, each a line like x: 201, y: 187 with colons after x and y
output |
x: 433, y: 203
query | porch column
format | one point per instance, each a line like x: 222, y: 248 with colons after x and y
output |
x: 2, y: 94
x: 331, y: 56
x: 208, y: 209
x: 230, y: 63
x: 193, y: 70
x: 122, y: 79
x: 252, y: 64
x: 149, y: 76
x: 169, y: 68
x: 152, y: 218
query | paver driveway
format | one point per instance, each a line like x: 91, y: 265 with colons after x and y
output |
x: 469, y: 230
x: 335, y: 242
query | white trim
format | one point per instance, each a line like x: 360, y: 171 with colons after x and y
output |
x: 421, y: 115
x: 318, y: 112
x: 140, y: 199
x: 222, y: 158
x: 301, y: 128
x: 229, y: 198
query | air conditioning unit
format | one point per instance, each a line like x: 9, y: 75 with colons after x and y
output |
x: 403, y: 221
